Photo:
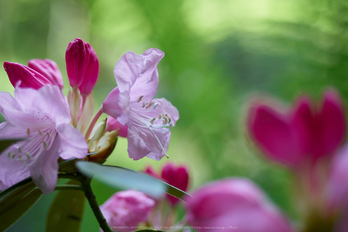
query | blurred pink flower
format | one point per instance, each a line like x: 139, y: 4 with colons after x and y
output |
x: 233, y: 205
x: 48, y: 69
x: 131, y: 103
x: 126, y: 209
x: 42, y: 116
x: 82, y: 66
x: 24, y: 76
x: 149, y: 171
x: 303, y: 134
x: 177, y: 176
x: 337, y: 189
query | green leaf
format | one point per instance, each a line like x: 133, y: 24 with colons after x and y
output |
x: 5, y: 143
x: 15, y: 201
x: 67, y: 210
x: 119, y: 177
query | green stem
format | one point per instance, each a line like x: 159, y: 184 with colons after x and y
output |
x: 93, y: 122
x: 86, y: 186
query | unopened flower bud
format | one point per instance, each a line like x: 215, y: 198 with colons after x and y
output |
x: 103, y: 148
x: 82, y: 66
x: 177, y: 176
x: 49, y: 69
x: 97, y: 131
x: 29, y: 78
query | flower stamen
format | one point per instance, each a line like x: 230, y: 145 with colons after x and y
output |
x: 149, y: 105
x: 141, y: 97
x: 44, y: 144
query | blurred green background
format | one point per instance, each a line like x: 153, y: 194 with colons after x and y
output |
x: 219, y: 54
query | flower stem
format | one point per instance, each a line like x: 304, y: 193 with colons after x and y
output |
x: 94, y: 121
x: 86, y: 186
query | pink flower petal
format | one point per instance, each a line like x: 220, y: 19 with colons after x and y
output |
x: 116, y: 105
x: 45, y: 171
x: 72, y: 142
x: 28, y: 77
x: 138, y: 73
x: 49, y: 69
x: 272, y: 131
x: 233, y: 204
x: 113, y: 124
x: 126, y: 209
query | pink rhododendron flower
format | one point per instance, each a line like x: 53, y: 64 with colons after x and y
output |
x: 300, y: 135
x: 42, y: 116
x: 82, y: 66
x: 25, y: 76
x: 49, y: 69
x: 131, y: 103
x: 233, y: 204
x: 126, y: 209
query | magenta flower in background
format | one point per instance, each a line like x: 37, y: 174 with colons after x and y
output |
x: 24, y: 76
x: 49, y: 69
x: 303, y: 134
x: 82, y: 66
x: 126, y: 209
x: 131, y: 103
x: 176, y: 176
x: 42, y: 116
x: 149, y: 171
x: 235, y: 205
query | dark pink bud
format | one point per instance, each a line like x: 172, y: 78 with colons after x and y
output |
x: 82, y: 65
x: 49, y: 69
x: 29, y: 78
x: 176, y: 176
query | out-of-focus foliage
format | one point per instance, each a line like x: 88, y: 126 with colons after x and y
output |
x: 218, y: 54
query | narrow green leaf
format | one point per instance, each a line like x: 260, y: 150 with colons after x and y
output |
x: 5, y: 143
x: 14, y: 202
x: 10, y: 196
x: 119, y: 177
x: 67, y: 210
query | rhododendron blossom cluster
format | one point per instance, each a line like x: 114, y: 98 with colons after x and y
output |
x: 52, y: 136
x: 52, y: 127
